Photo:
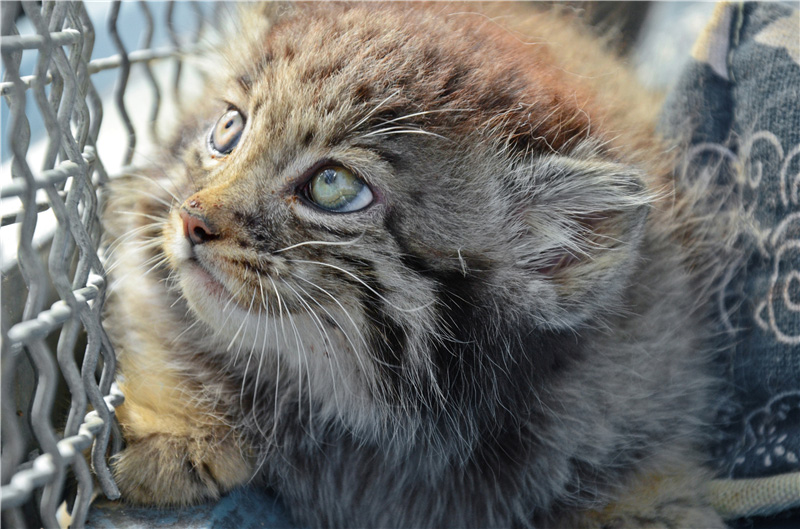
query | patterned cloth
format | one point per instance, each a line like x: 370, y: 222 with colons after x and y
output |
x: 739, y: 100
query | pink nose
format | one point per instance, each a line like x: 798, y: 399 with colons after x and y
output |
x: 195, y: 228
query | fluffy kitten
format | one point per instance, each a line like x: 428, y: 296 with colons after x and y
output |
x: 414, y: 266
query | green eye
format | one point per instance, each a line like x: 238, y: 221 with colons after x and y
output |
x: 337, y: 189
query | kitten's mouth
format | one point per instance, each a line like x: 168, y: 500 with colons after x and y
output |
x: 204, y: 278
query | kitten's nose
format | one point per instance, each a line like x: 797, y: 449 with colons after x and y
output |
x: 195, y: 227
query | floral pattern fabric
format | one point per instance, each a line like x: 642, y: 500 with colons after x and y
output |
x: 737, y: 105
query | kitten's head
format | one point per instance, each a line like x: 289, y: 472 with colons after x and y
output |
x: 401, y: 207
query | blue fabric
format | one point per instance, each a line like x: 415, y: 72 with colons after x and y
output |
x: 247, y: 508
x: 741, y: 115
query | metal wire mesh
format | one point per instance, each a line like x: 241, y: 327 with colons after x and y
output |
x: 54, y: 347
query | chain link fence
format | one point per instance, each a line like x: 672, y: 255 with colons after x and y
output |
x: 58, y: 391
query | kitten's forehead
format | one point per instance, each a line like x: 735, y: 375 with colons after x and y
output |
x: 364, y: 65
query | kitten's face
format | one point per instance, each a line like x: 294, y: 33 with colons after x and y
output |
x: 376, y: 190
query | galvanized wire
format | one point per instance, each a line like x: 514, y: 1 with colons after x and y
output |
x: 173, y: 35
x: 122, y: 83
x: 64, y: 347
x: 147, y: 40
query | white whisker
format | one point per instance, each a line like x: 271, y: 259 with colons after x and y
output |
x: 323, y: 243
x: 323, y: 334
x: 156, y: 182
x: 300, y: 348
x: 159, y: 220
x: 402, y: 130
x: 426, y: 112
x: 186, y: 330
x: 383, y: 298
x: 352, y: 322
x: 373, y: 111
x: 225, y: 308
x: 241, y: 325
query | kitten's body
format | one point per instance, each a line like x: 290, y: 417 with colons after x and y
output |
x: 507, y: 336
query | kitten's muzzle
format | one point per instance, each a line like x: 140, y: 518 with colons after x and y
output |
x: 196, y: 228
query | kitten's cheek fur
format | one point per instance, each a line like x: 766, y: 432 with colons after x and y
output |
x: 202, y: 292
x: 203, y: 300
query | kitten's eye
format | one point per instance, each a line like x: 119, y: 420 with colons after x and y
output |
x: 226, y: 133
x: 337, y: 189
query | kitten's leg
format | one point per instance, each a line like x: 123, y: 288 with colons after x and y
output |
x: 673, y: 499
x: 177, y: 452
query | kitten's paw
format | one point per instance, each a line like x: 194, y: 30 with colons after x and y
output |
x: 674, y: 498
x: 167, y: 470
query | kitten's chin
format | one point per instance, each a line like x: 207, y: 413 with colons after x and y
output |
x: 205, y: 295
x: 196, y: 277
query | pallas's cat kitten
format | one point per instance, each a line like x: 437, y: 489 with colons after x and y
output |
x: 412, y: 266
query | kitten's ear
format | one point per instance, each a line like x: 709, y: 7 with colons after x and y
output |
x: 584, y: 221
